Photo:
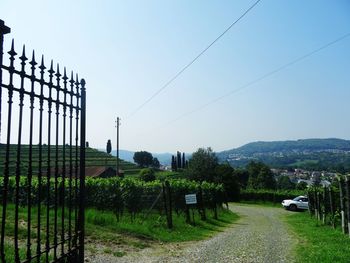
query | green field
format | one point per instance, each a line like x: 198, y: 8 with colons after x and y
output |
x: 318, y: 243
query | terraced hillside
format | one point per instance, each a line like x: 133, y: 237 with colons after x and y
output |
x: 62, y: 155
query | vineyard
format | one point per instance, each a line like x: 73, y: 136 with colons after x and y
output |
x: 94, y: 158
x: 120, y: 203
x: 331, y: 205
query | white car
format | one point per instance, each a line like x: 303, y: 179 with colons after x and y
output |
x: 300, y: 202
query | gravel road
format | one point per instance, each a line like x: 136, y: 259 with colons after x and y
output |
x: 258, y: 236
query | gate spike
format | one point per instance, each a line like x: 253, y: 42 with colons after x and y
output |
x: 65, y: 74
x: 23, y: 57
x: 12, y: 52
x: 51, y: 71
x: 77, y: 80
x: 42, y: 66
x: 71, y: 81
x: 58, y: 71
x: 33, y: 62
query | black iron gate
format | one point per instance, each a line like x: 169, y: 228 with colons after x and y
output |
x: 42, y: 159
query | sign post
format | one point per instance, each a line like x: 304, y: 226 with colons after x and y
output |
x: 191, y: 199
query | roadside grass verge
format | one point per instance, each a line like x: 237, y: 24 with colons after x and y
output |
x: 317, y: 242
x: 106, y: 235
x: 259, y: 203
x: 154, y: 227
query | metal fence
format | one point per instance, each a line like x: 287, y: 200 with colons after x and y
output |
x: 42, y: 121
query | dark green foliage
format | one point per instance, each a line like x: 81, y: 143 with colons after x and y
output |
x: 202, y: 165
x: 155, y: 163
x: 301, y: 186
x: 183, y: 161
x: 117, y: 194
x: 178, y: 160
x: 147, y: 175
x: 143, y: 158
x: 226, y: 176
x: 109, y: 147
x: 260, y: 176
x: 243, y: 176
x: 263, y: 195
x: 284, y: 183
x: 173, y: 163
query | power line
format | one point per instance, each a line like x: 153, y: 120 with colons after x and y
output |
x: 193, y: 60
x: 303, y: 57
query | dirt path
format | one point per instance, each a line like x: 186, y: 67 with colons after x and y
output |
x: 258, y: 236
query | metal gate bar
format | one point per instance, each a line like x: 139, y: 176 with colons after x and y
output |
x: 42, y: 184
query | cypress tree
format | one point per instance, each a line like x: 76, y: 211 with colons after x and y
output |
x: 183, y: 160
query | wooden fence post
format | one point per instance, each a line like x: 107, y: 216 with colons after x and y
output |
x: 201, y: 204
x: 187, y: 213
x: 318, y: 204
x: 165, y: 201
x: 347, y: 191
x: 169, y: 214
x: 215, y: 206
x: 341, y: 196
x: 331, y: 205
x: 324, y: 203
x: 315, y: 203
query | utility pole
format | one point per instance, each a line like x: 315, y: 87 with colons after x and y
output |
x: 117, y: 124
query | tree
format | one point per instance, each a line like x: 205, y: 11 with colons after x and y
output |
x: 260, y: 176
x: 201, y: 166
x: 183, y: 161
x: 155, y: 163
x: 225, y: 175
x: 173, y: 167
x: 109, y: 147
x: 143, y: 158
x: 178, y: 160
x: 243, y: 177
x: 301, y: 185
x: 147, y: 175
x: 284, y: 183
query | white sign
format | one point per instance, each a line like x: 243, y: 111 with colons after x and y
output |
x: 191, y: 199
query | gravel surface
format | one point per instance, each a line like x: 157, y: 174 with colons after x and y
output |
x: 258, y: 236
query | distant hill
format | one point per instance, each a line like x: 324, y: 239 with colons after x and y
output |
x: 125, y: 155
x: 323, y: 154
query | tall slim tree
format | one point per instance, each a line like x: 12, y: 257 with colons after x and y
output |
x: 172, y: 162
x: 179, y: 160
x: 183, y: 161
x: 109, y: 147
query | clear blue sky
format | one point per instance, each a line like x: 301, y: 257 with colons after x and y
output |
x: 127, y: 50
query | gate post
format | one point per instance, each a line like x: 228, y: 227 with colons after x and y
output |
x: 82, y: 172
x: 3, y: 31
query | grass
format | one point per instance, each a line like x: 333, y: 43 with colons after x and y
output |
x: 118, y: 237
x: 260, y: 203
x: 317, y: 242
x: 153, y: 227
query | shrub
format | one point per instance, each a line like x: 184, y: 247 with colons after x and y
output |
x: 147, y: 175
